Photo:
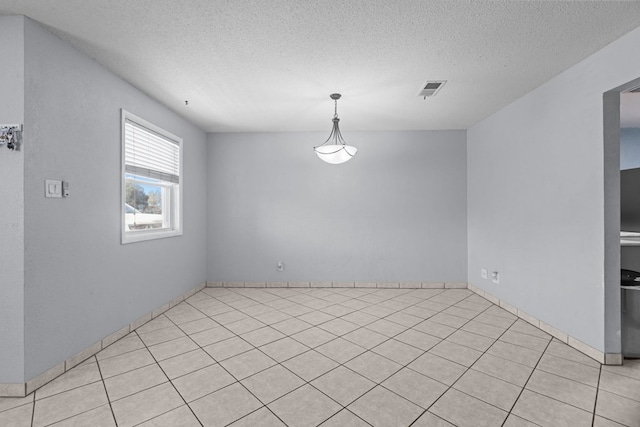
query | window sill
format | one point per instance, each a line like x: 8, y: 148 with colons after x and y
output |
x: 149, y: 235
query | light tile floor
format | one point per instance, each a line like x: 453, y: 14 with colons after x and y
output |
x: 335, y: 357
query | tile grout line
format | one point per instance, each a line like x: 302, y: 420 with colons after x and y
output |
x: 554, y: 339
x: 201, y: 348
x: 297, y: 317
x: 550, y: 397
x: 389, y: 338
x: 595, y: 403
x: 524, y: 386
x: 308, y: 382
x: 68, y: 390
x: 168, y: 379
x: 562, y: 375
x: 557, y: 400
x: 305, y: 382
x: 104, y: 385
x: 225, y: 369
x: 430, y: 413
x: 468, y: 368
x: 536, y: 368
x: 459, y: 328
x: 339, y: 365
x: 344, y: 407
x: 376, y: 384
x: 33, y: 409
x: 427, y: 351
x: 516, y: 362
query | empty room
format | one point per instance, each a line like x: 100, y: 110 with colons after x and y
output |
x: 291, y: 213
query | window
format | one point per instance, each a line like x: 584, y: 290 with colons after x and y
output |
x: 151, y: 181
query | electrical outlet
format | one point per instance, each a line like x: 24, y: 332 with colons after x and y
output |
x: 495, y: 277
x: 484, y: 273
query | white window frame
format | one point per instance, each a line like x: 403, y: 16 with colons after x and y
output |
x: 176, y: 208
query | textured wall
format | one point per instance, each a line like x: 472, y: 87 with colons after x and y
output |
x: 81, y: 283
x: 536, y: 173
x: 12, y: 206
x: 396, y: 212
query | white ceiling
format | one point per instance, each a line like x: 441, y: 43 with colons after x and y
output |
x: 270, y: 65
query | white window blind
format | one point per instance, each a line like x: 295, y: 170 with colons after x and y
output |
x: 150, y: 154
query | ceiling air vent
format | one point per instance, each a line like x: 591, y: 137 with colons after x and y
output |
x: 431, y: 88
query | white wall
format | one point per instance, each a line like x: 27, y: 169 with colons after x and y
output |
x: 396, y: 212
x: 12, y: 206
x: 536, y: 198
x: 81, y: 283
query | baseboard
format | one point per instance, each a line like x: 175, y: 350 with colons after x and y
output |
x: 13, y: 390
x: 595, y: 354
x: 23, y: 389
x: 379, y: 285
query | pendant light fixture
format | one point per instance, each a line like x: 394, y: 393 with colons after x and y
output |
x: 334, y: 150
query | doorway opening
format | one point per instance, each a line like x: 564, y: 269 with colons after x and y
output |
x: 621, y: 209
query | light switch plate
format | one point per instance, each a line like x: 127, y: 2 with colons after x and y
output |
x: 53, y: 189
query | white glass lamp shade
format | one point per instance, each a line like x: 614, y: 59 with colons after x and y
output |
x: 335, y: 154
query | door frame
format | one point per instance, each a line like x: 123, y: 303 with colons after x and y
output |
x: 611, y: 279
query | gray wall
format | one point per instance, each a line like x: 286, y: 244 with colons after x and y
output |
x: 536, y: 199
x: 629, y: 148
x: 396, y: 212
x: 12, y: 206
x: 81, y: 283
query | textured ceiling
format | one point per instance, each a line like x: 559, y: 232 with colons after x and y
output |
x: 270, y: 65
